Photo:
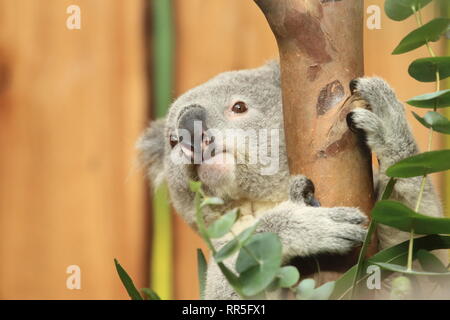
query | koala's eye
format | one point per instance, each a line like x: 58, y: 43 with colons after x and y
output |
x: 173, y: 139
x: 239, y: 107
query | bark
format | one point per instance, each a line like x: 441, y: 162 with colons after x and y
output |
x: 321, y: 50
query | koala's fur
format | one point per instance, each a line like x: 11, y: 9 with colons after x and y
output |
x: 277, y: 200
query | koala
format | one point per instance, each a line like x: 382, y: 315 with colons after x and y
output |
x: 192, y: 142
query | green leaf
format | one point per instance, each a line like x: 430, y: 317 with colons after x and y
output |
x: 195, y: 186
x: 232, y: 279
x: 264, y: 249
x: 403, y: 269
x: 430, y: 262
x: 201, y: 270
x: 324, y: 291
x: 288, y: 276
x: 150, y: 294
x: 397, y: 215
x: 425, y: 69
x: 429, y: 32
x: 434, y: 120
x: 401, y: 288
x: 389, y: 189
x: 439, y: 99
x: 213, y: 201
x: 305, y: 289
x: 368, y: 239
x: 421, y: 164
x: 399, y: 10
x: 223, y: 225
x: 235, y: 244
x: 396, y: 255
x: 127, y: 282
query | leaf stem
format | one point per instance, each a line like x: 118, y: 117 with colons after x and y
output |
x: 410, y: 250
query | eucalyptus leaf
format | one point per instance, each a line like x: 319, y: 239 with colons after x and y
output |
x: 211, y: 201
x: 403, y: 269
x: 421, y: 164
x: 439, y: 99
x: 305, y: 289
x: 288, y: 276
x: 397, y: 215
x: 395, y: 255
x: 264, y: 249
x: 235, y: 244
x: 434, y: 120
x: 201, y: 270
x: 401, y: 288
x: 223, y: 225
x: 127, y: 282
x: 195, y: 186
x: 425, y: 69
x: 150, y: 294
x: 323, y: 292
x: 429, y: 32
x: 399, y: 10
x: 232, y: 279
x: 430, y: 262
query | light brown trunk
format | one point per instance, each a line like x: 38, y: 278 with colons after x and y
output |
x: 321, y: 51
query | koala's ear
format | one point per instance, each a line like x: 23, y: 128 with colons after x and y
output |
x: 151, y: 151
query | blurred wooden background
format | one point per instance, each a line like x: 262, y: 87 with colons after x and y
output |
x: 72, y: 104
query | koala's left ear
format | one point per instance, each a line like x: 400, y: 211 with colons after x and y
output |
x: 151, y: 151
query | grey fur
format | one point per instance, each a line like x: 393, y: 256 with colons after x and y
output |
x: 303, y: 230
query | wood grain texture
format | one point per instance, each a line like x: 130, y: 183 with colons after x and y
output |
x: 72, y: 104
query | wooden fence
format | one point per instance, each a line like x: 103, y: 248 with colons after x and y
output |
x: 72, y: 104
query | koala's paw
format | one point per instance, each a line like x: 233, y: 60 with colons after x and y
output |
x: 384, y: 125
x: 339, y: 230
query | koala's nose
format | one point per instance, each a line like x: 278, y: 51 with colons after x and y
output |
x: 192, y: 128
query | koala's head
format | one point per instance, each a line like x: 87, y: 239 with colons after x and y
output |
x: 226, y: 133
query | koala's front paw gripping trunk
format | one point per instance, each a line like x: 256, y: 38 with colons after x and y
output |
x: 321, y: 51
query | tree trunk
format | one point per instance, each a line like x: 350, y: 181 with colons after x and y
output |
x: 321, y: 50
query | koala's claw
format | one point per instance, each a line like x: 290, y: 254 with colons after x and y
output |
x: 353, y: 84
x: 385, y: 128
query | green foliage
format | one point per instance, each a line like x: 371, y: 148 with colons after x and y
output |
x: 435, y: 121
x: 258, y: 263
x: 235, y: 245
x: 201, y: 270
x: 397, y: 215
x: 258, y: 268
x: 127, y: 282
x: 430, y: 262
x: 306, y: 290
x: 431, y: 31
x: 399, y: 10
x: 223, y: 225
x: 394, y: 255
x: 426, y: 69
x: 368, y: 239
x: 150, y: 294
x: 439, y: 99
x: 401, y: 288
x: 287, y: 277
x: 421, y: 164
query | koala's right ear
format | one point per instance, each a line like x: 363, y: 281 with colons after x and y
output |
x: 151, y: 151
